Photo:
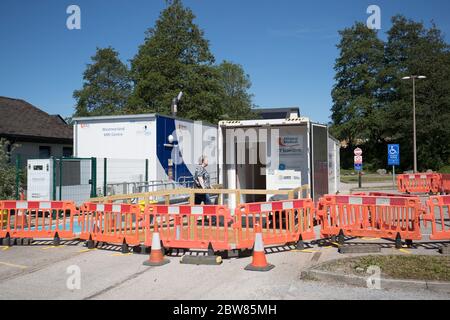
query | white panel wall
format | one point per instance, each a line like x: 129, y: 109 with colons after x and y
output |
x: 115, y: 139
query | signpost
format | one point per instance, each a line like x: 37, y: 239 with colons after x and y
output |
x: 393, y: 158
x: 358, y: 164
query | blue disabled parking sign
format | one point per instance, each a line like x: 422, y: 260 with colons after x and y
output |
x: 393, y: 155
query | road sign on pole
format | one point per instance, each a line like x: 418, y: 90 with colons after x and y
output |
x: 358, y: 164
x: 393, y: 158
x: 393, y: 155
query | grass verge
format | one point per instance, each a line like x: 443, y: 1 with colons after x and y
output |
x: 429, y: 268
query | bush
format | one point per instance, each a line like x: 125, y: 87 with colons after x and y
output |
x: 7, y: 171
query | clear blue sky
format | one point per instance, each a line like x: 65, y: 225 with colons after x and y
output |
x: 287, y: 47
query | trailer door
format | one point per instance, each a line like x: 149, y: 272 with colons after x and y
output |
x: 319, y: 160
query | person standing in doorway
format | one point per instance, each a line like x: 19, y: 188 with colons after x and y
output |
x: 202, y: 181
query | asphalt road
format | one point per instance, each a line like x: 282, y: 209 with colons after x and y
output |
x: 42, y: 272
x: 46, y: 272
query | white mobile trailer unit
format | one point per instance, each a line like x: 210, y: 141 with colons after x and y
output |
x: 275, y: 154
x: 172, y: 146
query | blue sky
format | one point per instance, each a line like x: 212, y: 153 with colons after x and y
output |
x: 287, y: 47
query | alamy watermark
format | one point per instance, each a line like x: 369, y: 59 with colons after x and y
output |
x: 374, y: 280
x: 73, y: 282
x: 243, y: 145
x: 374, y: 20
x: 73, y: 21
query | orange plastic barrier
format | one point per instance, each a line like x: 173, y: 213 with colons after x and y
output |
x: 37, y: 219
x: 365, y: 216
x: 111, y: 223
x: 189, y: 227
x: 282, y: 222
x: 445, y: 183
x: 439, y: 215
x: 419, y: 183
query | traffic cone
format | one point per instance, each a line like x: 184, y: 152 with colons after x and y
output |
x: 156, y: 254
x: 259, y: 261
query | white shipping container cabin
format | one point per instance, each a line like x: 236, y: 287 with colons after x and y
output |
x: 288, y: 153
x: 171, y: 145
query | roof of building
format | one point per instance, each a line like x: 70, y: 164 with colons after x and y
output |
x: 277, y: 113
x: 21, y: 120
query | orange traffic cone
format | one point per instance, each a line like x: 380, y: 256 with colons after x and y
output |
x: 156, y: 254
x: 259, y: 262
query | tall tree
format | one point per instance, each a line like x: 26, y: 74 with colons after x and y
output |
x: 107, y: 85
x: 355, y: 115
x: 176, y: 57
x: 235, y: 83
x: 412, y: 49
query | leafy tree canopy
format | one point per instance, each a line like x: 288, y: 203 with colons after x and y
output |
x: 372, y: 105
x: 106, y: 86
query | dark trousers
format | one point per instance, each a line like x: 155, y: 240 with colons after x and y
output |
x: 199, y: 198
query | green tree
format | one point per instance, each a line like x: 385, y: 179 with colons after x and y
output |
x: 176, y: 57
x: 412, y: 49
x: 107, y: 85
x: 355, y: 116
x: 236, y: 100
x: 7, y: 171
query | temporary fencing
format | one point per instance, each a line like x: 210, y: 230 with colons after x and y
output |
x: 375, y: 214
x: 111, y: 223
x: 282, y: 222
x: 419, y: 183
x: 188, y: 226
x: 368, y: 216
x: 37, y: 219
x: 439, y: 215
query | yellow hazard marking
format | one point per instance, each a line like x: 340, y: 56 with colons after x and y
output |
x: 87, y: 250
x: 404, y: 251
x: 336, y: 244
x: 13, y: 265
x: 327, y: 247
x: 306, y: 251
x: 52, y: 247
x: 121, y: 254
x: 370, y: 239
x: 5, y: 248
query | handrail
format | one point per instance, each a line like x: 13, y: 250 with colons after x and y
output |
x: 191, y: 193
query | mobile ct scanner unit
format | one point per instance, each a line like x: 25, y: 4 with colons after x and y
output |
x: 276, y: 154
x: 171, y: 145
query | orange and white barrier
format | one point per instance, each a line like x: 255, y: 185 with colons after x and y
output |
x: 445, y: 183
x: 111, y: 223
x: 282, y: 222
x: 189, y: 226
x: 439, y: 216
x: 37, y: 219
x: 419, y: 183
x: 366, y: 216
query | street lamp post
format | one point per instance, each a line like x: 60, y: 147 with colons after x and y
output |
x: 413, y: 78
